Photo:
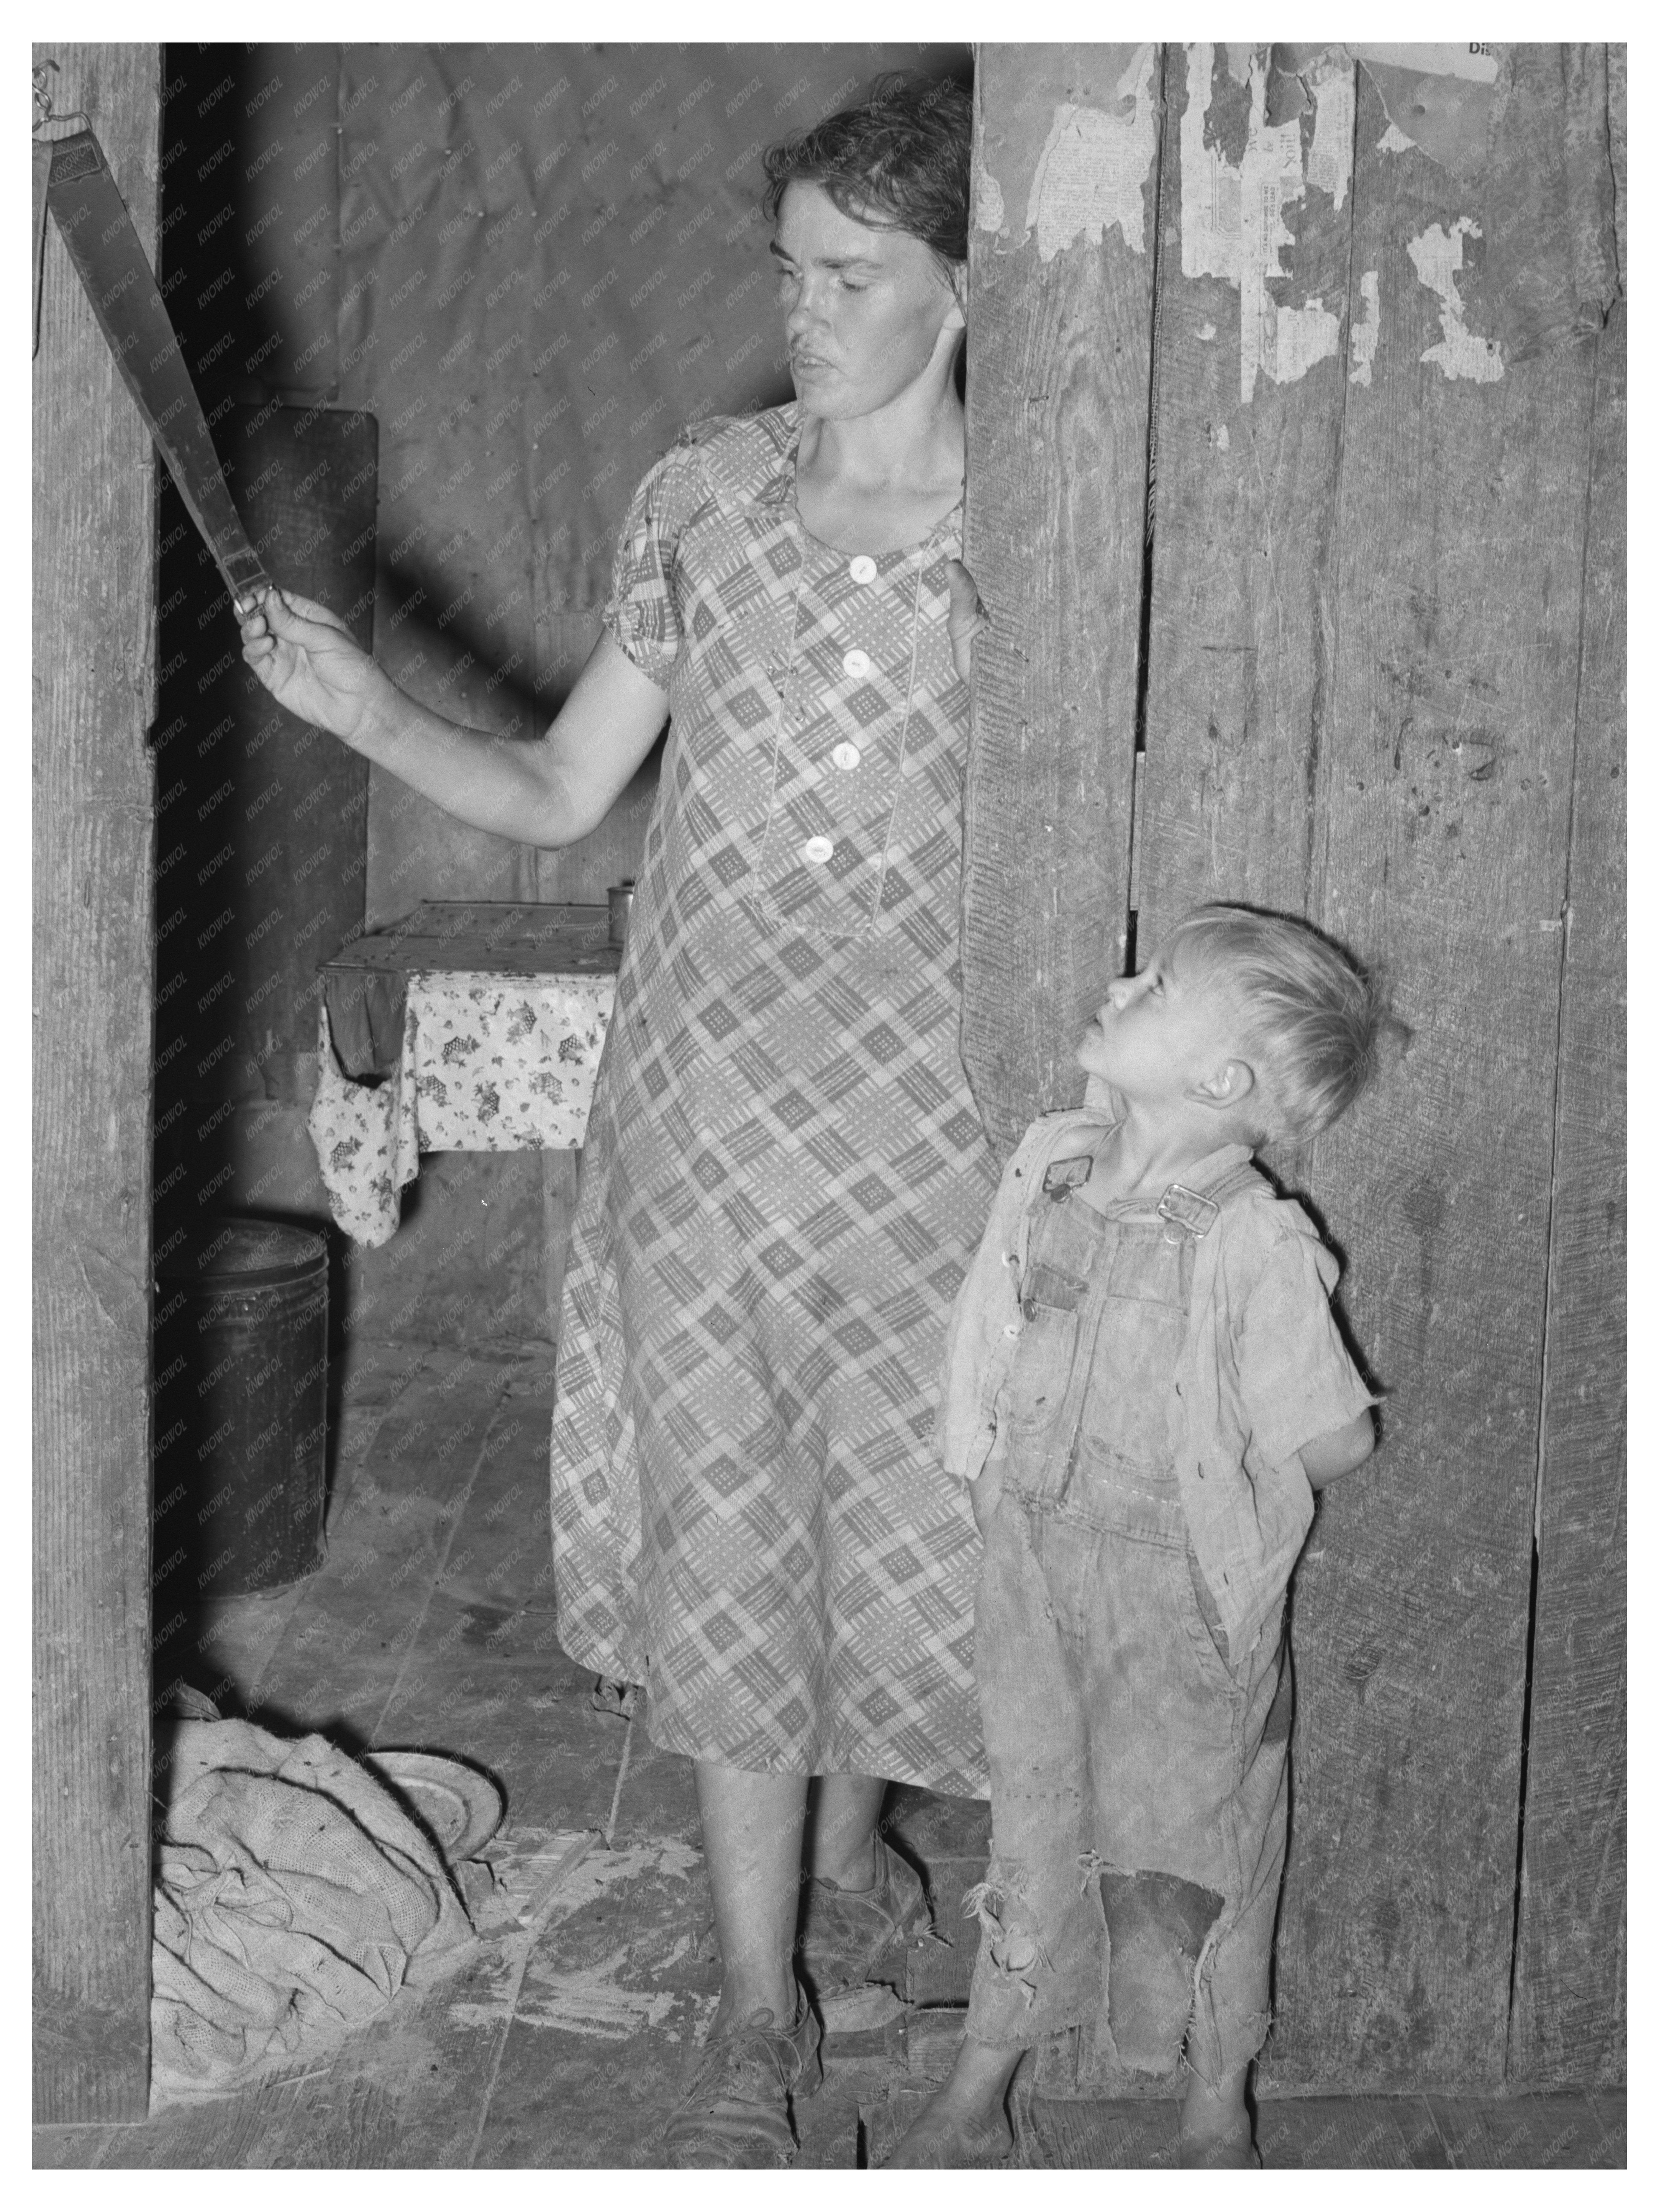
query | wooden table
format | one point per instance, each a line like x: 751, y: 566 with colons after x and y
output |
x: 366, y: 983
x: 465, y: 1027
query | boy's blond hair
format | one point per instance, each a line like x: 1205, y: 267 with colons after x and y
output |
x: 1312, y: 1016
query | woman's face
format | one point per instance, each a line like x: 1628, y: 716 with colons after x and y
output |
x: 866, y: 313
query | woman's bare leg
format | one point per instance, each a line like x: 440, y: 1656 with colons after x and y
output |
x: 751, y: 1840
x: 840, y: 1829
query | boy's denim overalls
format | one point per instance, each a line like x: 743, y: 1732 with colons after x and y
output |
x: 1138, y: 1773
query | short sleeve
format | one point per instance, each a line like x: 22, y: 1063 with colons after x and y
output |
x: 642, y: 613
x: 1295, y: 1377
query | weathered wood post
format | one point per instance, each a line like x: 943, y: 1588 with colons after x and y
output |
x: 94, y: 674
x: 1059, y: 308
x: 1567, y: 2021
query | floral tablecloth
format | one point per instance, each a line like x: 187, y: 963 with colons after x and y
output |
x: 490, y: 1064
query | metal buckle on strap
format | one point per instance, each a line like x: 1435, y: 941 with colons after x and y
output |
x: 1189, y: 1210
x: 80, y: 156
x: 1061, y: 1178
x: 243, y: 570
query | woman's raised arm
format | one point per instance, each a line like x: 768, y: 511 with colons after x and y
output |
x: 546, y: 791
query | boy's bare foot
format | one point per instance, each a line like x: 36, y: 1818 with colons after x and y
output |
x: 965, y: 2122
x: 1236, y: 2147
x: 942, y: 2135
x: 1216, y: 2134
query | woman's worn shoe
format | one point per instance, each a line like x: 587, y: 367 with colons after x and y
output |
x: 737, y: 2111
x: 851, y: 1936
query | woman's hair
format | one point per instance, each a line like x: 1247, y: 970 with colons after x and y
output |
x: 903, y: 154
x: 1312, y: 1017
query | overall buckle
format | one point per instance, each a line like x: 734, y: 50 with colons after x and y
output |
x: 1189, y: 1210
x: 1061, y: 1178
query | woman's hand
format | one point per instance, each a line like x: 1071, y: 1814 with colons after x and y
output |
x: 966, y: 619
x: 309, y: 662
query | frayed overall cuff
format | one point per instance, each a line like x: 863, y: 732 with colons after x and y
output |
x: 1031, y: 1977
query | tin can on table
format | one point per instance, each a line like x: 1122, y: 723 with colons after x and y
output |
x: 621, y: 896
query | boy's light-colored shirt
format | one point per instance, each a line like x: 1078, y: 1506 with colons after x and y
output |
x: 1262, y: 1370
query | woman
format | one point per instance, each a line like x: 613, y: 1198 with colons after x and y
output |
x: 784, y: 1177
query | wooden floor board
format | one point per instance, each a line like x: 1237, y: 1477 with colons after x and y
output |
x: 227, y: 1651
x: 659, y: 1797
x: 1610, y: 2113
x: 1537, y: 2132
x: 1348, y: 2133
x: 1332, y: 2134
x: 1061, y: 2135
x: 614, y: 2001
x: 341, y: 1658
x: 240, y: 2133
x: 76, y: 2149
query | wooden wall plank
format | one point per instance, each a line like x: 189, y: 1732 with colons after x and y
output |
x: 94, y: 642
x: 1060, y: 329
x: 1442, y: 795
x: 1249, y: 447
x: 1568, y: 2022
x: 1362, y: 651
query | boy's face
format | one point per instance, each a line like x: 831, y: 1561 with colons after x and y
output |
x: 1162, y: 1032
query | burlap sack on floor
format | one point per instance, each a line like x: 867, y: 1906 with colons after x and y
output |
x: 294, y: 1898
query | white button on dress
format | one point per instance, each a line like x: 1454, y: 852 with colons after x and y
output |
x: 818, y: 850
x: 846, y: 755
x: 856, y: 663
x: 861, y: 568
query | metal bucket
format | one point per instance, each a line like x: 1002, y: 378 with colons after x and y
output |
x: 242, y: 1380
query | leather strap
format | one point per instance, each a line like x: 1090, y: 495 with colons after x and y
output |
x: 119, y: 282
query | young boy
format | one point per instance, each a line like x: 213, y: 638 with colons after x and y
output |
x: 1144, y: 1388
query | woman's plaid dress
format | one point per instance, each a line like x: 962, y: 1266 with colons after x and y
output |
x: 785, y: 1177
